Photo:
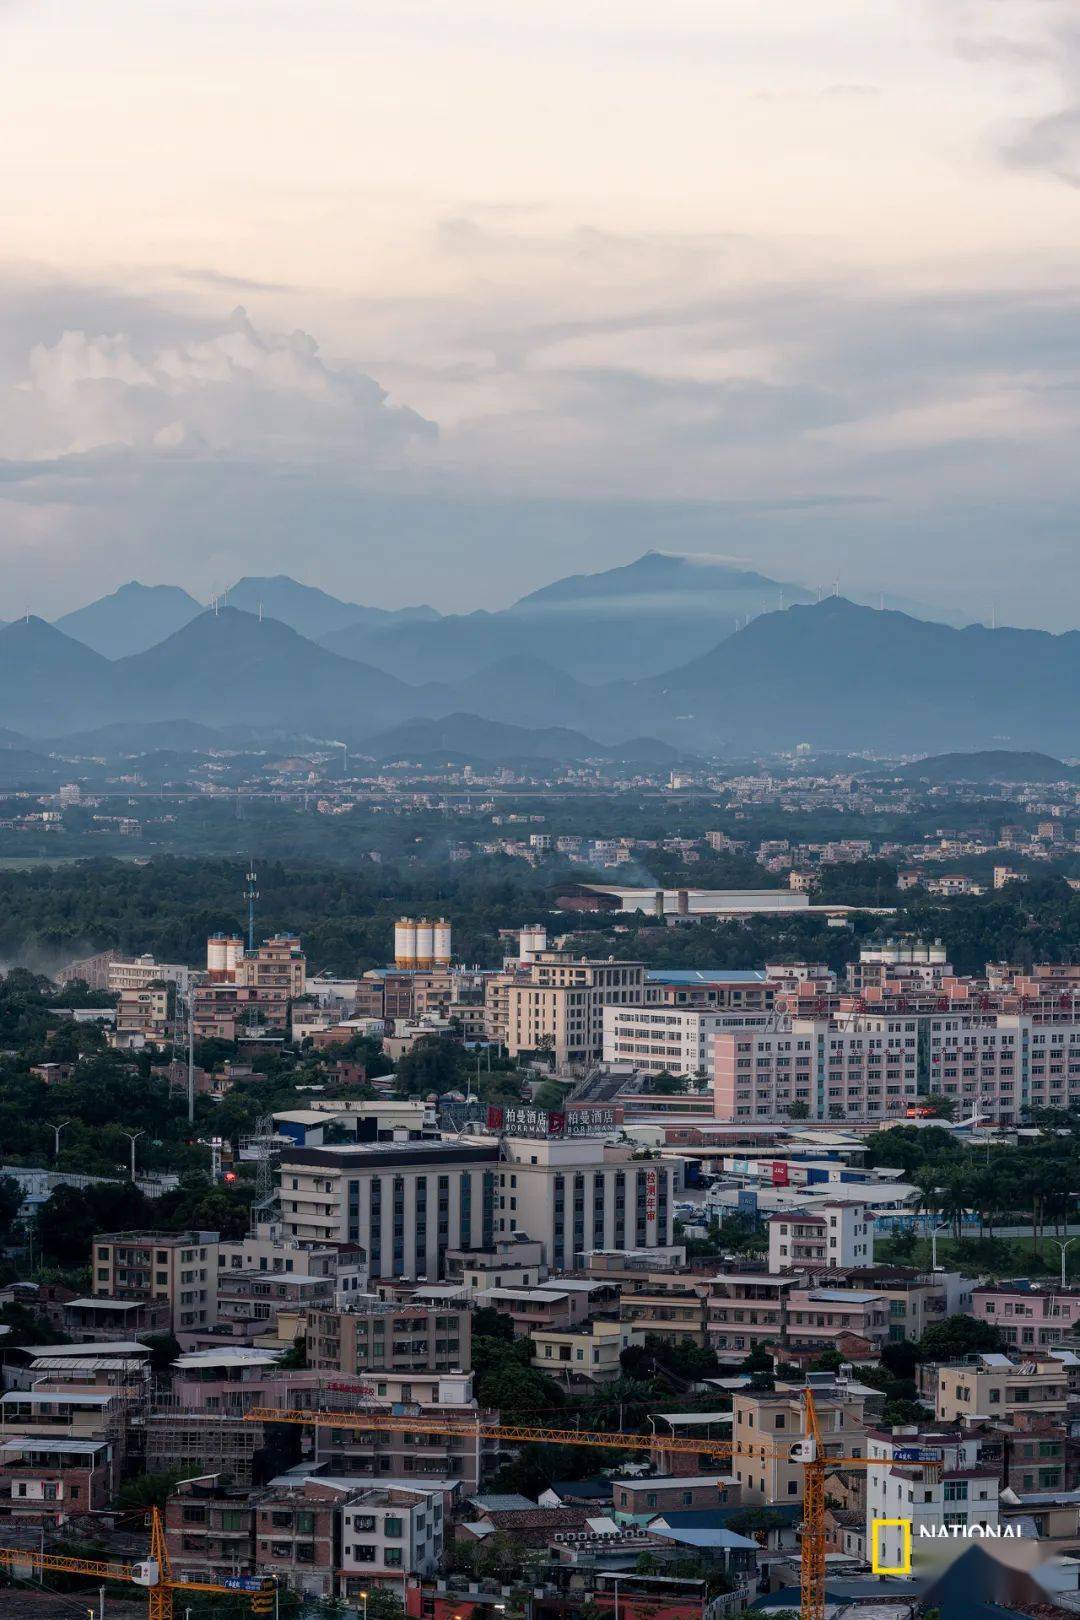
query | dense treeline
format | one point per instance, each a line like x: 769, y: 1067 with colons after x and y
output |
x: 346, y: 915
x: 1032, y: 1183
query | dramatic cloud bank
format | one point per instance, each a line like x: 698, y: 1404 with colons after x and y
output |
x: 240, y: 393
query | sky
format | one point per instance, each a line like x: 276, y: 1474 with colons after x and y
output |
x: 438, y: 300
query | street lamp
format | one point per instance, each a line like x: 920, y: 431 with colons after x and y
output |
x: 56, y: 1137
x: 133, y: 1137
x: 944, y: 1227
x: 364, y: 1596
x: 1063, y: 1244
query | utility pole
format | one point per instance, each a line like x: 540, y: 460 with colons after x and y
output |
x: 56, y: 1137
x: 133, y: 1137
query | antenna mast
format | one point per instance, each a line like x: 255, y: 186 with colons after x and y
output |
x: 251, y: 894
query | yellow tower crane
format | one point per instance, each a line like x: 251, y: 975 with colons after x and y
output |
x: 808, y: 1452
x: 154, y: 1573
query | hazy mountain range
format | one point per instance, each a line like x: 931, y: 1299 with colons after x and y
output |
x: 649, y: 661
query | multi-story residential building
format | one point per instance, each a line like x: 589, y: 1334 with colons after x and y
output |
x: 637, y: 1501
x: 56, y: 1478
x: 675, y: 1307
x: 865, y: 1072
x: 407, y: 1205
x: 1029, y: 1316
x: 589, y: 1353
x: 147, y: 1010
x: 142, y: 971
x: 181, y: 1267
x: 765, y: 1423
x: 208, y: 1528
x: 829, y: 1235
x: 1005, y: 1064
x: 387, y: 1533
x: 747, y: 1310
x: 988, y: 1385
x: 317, y: 1537
x: 295, y: 1534
x: 373, y: 1336
x: 423, y: 1451
x: 850, y: 1320
x: 1029, y: 1454
x: 960, y: 1492
x: 548, y: 1308
x: 255, y: 987
x: 266, y: 1251
x: 555, y: 1003
x: 249, y: 1302
x: 915, y: 1301
x: 669, y: 1039
x: 514, y: 1261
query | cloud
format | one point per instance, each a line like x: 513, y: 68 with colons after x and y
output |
x: 1036, y: 43
x: 1051, y: 144
x: 234, y: 392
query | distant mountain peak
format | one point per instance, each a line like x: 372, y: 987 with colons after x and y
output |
x: 131, y: 618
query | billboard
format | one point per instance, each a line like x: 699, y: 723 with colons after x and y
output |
x: 521, y: 1119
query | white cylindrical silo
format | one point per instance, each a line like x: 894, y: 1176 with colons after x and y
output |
x: 531, y: 939
x: 405, y: 943
x: 234, y: 953
x: 215, y: 953
x: 441, y: 942
x: 425, y: 942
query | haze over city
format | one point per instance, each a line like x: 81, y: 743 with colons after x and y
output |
x: 413, y: 301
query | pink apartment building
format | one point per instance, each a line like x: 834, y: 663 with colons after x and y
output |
x: 861, y: 1073
x: 1030, y: 1316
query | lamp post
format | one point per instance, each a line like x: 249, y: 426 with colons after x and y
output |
x: 56, y: 1137
x: 944, y: 1227
x: 363, y: 1596
x: 1063, y: 1244
x: 133, y: 1137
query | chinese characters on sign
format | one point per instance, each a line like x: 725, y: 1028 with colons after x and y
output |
x: 522, y: 1120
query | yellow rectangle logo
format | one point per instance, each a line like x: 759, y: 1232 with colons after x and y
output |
x: 904, y: 1566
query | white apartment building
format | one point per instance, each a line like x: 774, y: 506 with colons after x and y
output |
x: 267, y: 1250
x: 962, y: 1494
x: 407, y: 1204
x: 575, y: 1196
x: 829, y: 1235
x: 386, y: 1534
x: 863, y: 1072
x: 675, y: 1040
x: 555, y: 1003
x: 143, y: 971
